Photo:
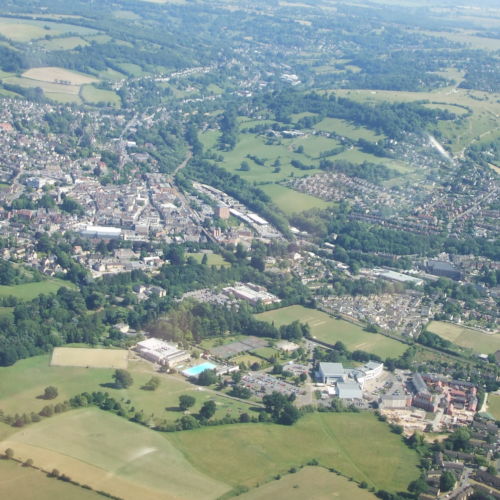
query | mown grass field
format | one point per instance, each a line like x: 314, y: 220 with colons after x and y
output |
x: 351, y: 443
x: 89, y: 358
x: 54, y: 75
x: 310, y: 482
x: 213, y: 259
x: 290, y: 201
x: 331, y: 330
x: 23, y: 383
x: 346, y: 129
x: 28, y: 291
x: 109, y: 453
x: 21, y: 483
x: 493, y: 404
x: 50, y: 89
x: 466, y: 337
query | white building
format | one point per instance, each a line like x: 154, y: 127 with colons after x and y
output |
x: 161, y: 352
x: 101, y: 232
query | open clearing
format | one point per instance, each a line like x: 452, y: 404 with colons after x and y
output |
x: 28, y: 291
x: 23, y: 383
x: 53, y: 74
x: 67, y: 43
x: 213, y: 259
x: 350, y: 442
x: 111, y: 454
x: 291, y: 201
x: 466, y: 337
x: 331, y: 330
x: 341, y: 127
x: 494, y: 405
x: 20, y: 483
x: 310, y: 482
x: 92, y: 358
x: 94, y: 95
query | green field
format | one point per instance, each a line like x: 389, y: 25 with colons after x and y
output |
x: 28, y: 291
x: 20, y: 483
x: 493, y: 404
x: 94, y: 95
x: 351, y: 443
x: 112, y: 454
x: 331, y: 330
x: 466, y: 337
x: 22, y: 383
x: 341, y: 127
x: 310, y: 482
x: 214, y: 259
x: 291, y: 201
x: 66, y: 43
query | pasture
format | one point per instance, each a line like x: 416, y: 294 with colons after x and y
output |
x: 331, y: 330
x: 351, y: 443
x: 52, y: 74
x: 89, y: 358
x: 92, y: 94
x: 90, y: 447
x: 21, y: 482
x: 291, y: 201
x: 50, y: 89
x: 309, y: 482
x: 466, y: 337
x: 23, y: 383
x: 28, y: 291
x: 66, y: 43
x: 342, y: 127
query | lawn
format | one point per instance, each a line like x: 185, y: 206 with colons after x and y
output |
x: 331, y: 330
x: 89, y: 358
x: 351, y: 443
x: 466, y: 337
x: 291, y: 201
x: 341, y: 127
x: 310, y: 482
x: 20, y: 483
x: 109, y: 453
x: 23, y: 383
x: 266, y: 352
x: 28, y: 291
x: 213, y: 259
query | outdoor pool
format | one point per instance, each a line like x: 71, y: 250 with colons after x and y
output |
x: 196, y: 370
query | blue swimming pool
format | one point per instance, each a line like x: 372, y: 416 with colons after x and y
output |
x: 196, y: 370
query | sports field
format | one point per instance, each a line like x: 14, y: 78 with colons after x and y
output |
x: 351, y: 443
x: 20, y: 483
x: 462, y: 336
x: 291, y: 201
x: 331, y: 330
x: 310, y: 482
x: 111, y: 454
x: 28, y: 291
x: 89, y: 358
x: 23, y: 383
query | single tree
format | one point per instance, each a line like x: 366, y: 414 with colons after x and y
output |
x: 447, y: 481
x: 186, y: 401
x: 208, y: 409
x: 50, y: 392
x: 123, y: 379
x: 9, y: 453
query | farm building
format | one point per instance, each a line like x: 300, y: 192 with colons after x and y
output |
x: 161, y: 352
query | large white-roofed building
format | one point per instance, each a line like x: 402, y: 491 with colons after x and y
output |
x: 161, y: 352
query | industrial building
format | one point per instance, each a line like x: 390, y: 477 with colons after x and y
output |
x: 443, y: 268
x: 251, y: 293
x: 102, y: 232
x: 161, y: 352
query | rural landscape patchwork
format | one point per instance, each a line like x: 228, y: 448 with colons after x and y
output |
x: 249, y: 249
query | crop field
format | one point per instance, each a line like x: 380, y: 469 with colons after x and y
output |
x: 20, y: 483
x: 291, y: 201
x: 466, y: 337
x: 109, y: 453
x: 213, y: 259
x: 309, y: 482
x: 89, y: 358
x: 22, y: 384
x: 331, y: 330
x: 251, y: 454
x: 92, y: 94
x: 48, y: 88
x: 58, y: 75
x: 28, y: 291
